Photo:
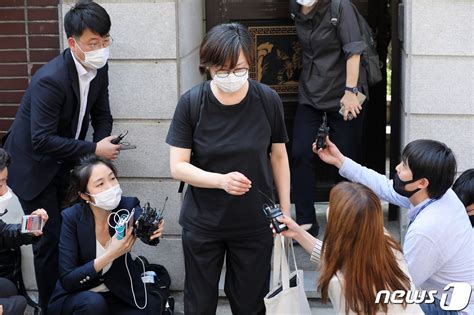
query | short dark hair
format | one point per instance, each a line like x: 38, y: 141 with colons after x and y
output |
x: 81, y: 174
x: 5, y: 159
x: 86, y: 15
x: 432, y: 160
x: 464, y: 187
x: 222, y: 46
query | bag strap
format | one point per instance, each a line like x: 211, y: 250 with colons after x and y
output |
x: 280, y: 263
x: 266, y: 95
x: 276, y: 260
x: 285, y: 269
x: 196, y: 104
x: 335, y: 8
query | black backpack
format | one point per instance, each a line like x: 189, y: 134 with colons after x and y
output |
x: 161, y: 288
x: 369, y: 58
x: 10, y: 268
x: 196, y: 95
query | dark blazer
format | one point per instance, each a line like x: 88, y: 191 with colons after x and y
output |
x: 77, y: 251
x: 42, y: 135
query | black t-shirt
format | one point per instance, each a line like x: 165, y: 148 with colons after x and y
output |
x: 325, y: 51
x: 229, y: 138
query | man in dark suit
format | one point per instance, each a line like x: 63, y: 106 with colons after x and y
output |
x: 50, y: 127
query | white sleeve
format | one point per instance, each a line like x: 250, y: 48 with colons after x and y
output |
x: 422, y: 256
x: 380, y: 184
x: 316, y: 252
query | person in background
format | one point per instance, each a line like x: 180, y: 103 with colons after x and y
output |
x: 238, y: 151
x: 464, y: 188
x: 50, y: 128
x: 96, y: 272
x: 330, y: 78
x: 358, y: 258
x: 435, y: 255
x: 11, y: 238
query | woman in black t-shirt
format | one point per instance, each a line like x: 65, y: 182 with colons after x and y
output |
x: 237, y: 138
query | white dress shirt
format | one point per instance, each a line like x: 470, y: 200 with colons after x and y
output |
x: 85, y: 77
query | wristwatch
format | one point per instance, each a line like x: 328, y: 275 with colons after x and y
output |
x: 354, y: 90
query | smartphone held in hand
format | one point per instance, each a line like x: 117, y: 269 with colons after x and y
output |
x: 31, y: 224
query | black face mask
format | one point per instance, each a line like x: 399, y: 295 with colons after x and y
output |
x: 399, y: 186
x: 471, y: 218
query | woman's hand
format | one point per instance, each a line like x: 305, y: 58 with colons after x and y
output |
x: 331, y: 154
x: 235, y: 183
x: 44, y: 216
x: 157, y: 233
x: 294, y: 230
x: 351, y: 105
x: 119, y: 247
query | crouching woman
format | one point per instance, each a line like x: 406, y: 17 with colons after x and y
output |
x: 96, y: 272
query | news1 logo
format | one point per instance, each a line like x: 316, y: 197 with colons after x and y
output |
x: 460, y: 296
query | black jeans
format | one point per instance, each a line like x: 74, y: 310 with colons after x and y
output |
x: 347, y: 135
x: 247, y: 276
x: 45, y: 250
x: 13, y: 304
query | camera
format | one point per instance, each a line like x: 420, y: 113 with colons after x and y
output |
x: 147, y: 223
x: 272, y: 213
x: 323, y: 132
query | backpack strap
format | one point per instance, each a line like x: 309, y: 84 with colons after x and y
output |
x: 335, y: 8
x: 266, y: 96
x: 196, y: 104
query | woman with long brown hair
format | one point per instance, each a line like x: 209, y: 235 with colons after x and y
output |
x: 358, y: 258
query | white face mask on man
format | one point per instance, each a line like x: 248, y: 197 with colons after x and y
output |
x: 306, y: 3
x: 5, y: 200
x: 231, y: 83
x: 108, y: 199
x: 95, y: 59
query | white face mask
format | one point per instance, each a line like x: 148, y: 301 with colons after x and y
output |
x: 108, y: 199
x: 5, y: 200
x: 95, y: 59
x: 231, y: 83
x: 306, y: 3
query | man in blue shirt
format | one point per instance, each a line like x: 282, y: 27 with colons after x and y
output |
x: 439, y: 243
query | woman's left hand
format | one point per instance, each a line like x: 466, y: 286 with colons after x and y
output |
x: 351, y: 105
x: 159, y: 230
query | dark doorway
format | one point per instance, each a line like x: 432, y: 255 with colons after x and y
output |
x: 270, y: 23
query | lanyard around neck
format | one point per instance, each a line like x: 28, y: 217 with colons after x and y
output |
x: 421, y: 209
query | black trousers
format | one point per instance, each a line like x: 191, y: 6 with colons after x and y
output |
x: 247, y: 276
x: 90, y: 303
x: 13, y: 304
x: 45, y: 250
x: 347, y: 135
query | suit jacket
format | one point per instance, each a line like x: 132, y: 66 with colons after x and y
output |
x: 77, y: 251
x: 42, y: 136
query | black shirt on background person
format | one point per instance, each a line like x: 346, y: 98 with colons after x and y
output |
x: 331, y: 77
x: 323, y: 76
